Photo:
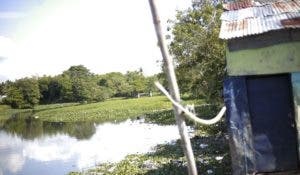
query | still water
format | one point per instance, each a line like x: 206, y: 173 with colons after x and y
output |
x: 31, y: 146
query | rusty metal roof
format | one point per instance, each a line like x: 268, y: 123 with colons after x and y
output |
x: 259, y: 18
x: 291, y: 23
x: 238, y: 5
x: 262, y: 2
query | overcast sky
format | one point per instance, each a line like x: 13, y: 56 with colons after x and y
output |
x: 40, y: 37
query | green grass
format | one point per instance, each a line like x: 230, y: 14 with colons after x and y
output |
x: 6, y: 111
x: 110, y: 110
x: 106, y: 111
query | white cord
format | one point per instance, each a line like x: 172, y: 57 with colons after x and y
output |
x: 189, y: 114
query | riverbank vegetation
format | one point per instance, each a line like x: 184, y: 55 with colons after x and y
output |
x: 109, y: 110
x: 209, y: 145
x: 211, y: 158
x: 77, y: 84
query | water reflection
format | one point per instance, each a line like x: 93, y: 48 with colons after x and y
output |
x: 30, y: 128
x: 11, y: 160
x: 30, y: 146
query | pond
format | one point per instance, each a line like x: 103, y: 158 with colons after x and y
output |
x: 31, y: 146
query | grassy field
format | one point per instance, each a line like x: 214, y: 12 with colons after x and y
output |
x: 6, y: 111
x: 110, y: 110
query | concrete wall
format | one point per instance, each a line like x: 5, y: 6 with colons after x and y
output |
x: 276, y: 59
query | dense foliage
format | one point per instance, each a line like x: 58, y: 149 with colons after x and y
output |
x: 23, y: 93
x: 77, y: 84
x: 2, y: 88
x: 127, y: 85
x: 198, y: 52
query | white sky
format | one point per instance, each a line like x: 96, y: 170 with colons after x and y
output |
x: 103, y: 35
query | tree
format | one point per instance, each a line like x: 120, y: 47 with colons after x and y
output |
x: 2, y: 85
x: 116, y: 82
x: 198, y: 52
x: 99, y: 93
x: 137, y: 81
x: 14, y: 96
x: 81, y: 82
x: 54, y: 90
x: 29, y: 88
x: 77, y: 84
x: 65, y: 85
x: 44, y: 83
x: 150, y: 83
x: 82, y: 85
x: 81, y: 90
x: 23, y: 93
x: 79, y: 71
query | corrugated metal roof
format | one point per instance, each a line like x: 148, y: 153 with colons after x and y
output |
x: 238, y: 5
x: 291, y: 23
x: 261, y: 11
x: 259, y: 19
x: 248, y: 3
x: 253, y: 26
x: 263, y: 2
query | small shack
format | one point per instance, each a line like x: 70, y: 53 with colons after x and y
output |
x: 262, y: 89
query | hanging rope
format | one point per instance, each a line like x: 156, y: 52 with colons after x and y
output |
x: 189, y: 114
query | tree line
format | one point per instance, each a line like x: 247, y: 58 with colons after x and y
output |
x: 199, y: 57
x: 77, y: 84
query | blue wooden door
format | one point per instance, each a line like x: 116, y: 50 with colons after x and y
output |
x: 273, y: 122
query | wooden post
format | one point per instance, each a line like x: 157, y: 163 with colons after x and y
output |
x: 174, y: 90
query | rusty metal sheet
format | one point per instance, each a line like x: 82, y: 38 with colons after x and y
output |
x: 250, y: 3
x: 262, y: 11
x: 284, y: 7
x: 291, y: 23
x: 238, y: 5
x: 253, y: 26
x: 265, y: 1
x: 260, y: 19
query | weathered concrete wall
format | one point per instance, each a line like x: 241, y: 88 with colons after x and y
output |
x: 276, y: 59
